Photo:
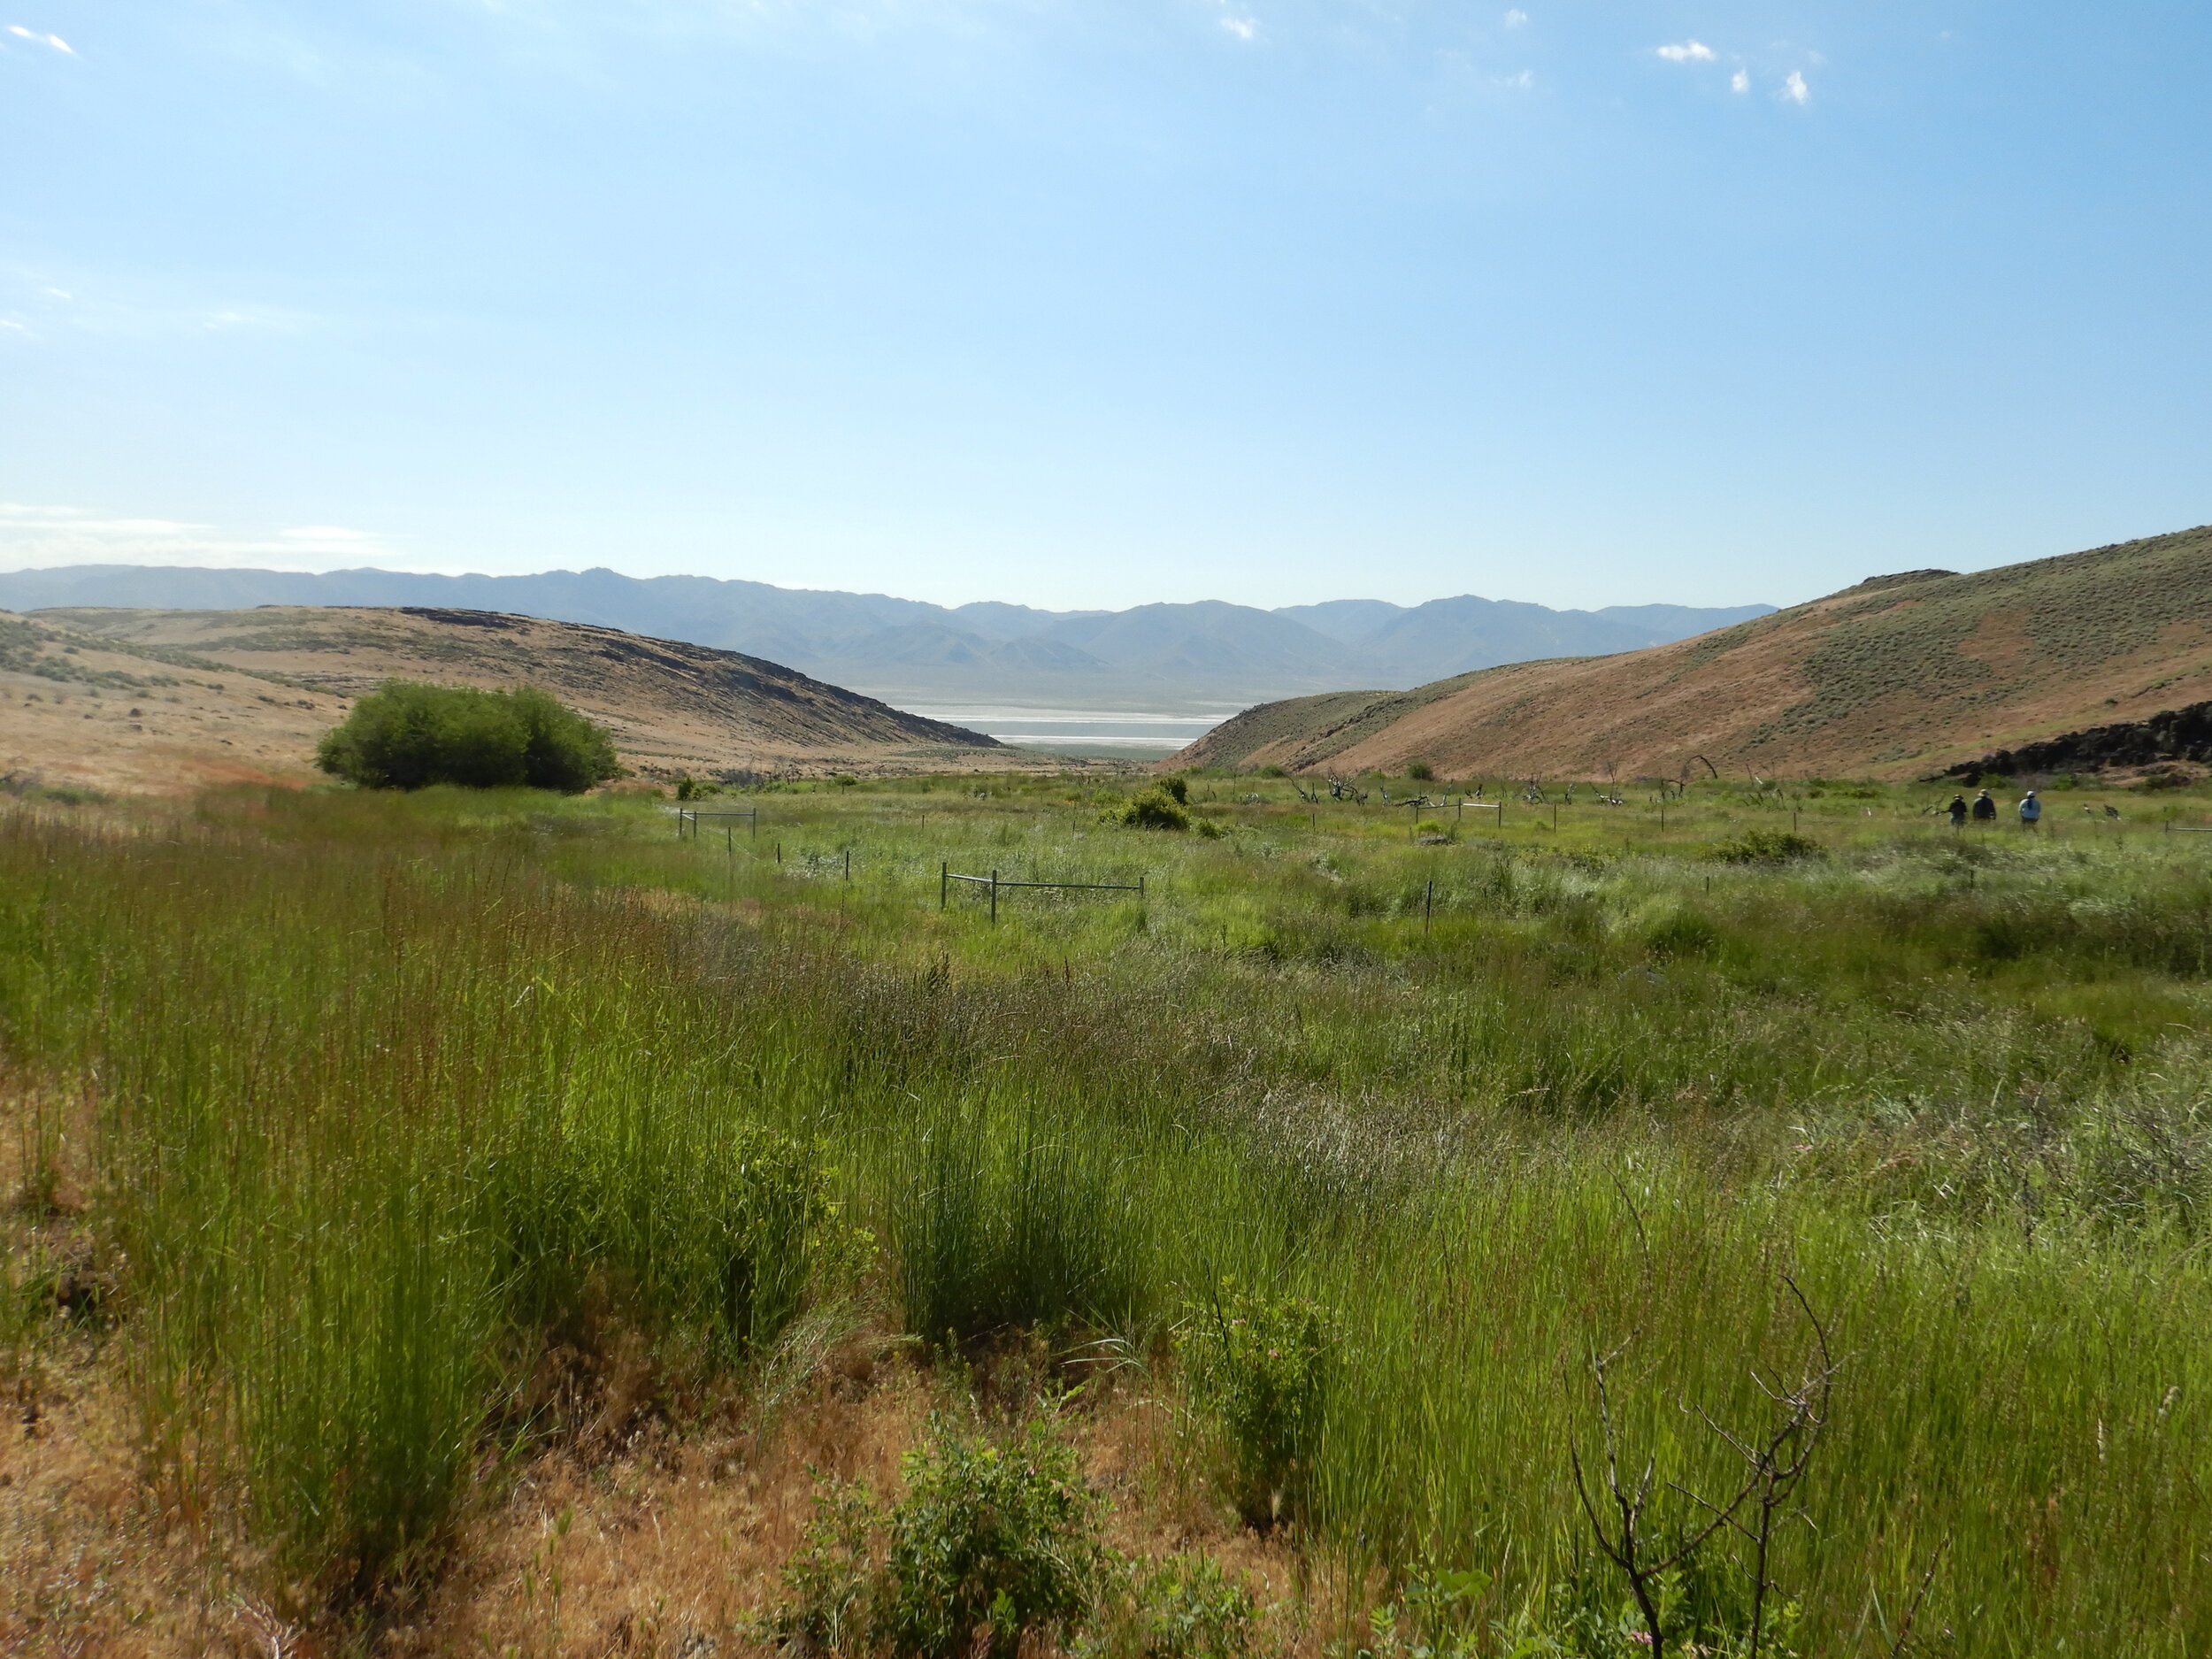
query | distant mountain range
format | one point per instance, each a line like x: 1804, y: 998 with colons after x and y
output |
x: 1209, y: 656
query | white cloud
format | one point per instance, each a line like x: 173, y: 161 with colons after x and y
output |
x: 1794, y: 90
x: 1521, y: 82
x: 35, y: 536
x: 1687, y: 52
x: 1243, y: 28
x: 328, y: 533
x: 54, y: 40
x: 1740, y: 81
x: 1516, y: 17
x: 55, y: 305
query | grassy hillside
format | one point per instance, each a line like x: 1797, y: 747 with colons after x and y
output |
x: 672, y: 707
x: 477, y: 1217
x: 1898, y: 676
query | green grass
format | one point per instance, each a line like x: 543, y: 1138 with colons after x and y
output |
x: 392, y: 1095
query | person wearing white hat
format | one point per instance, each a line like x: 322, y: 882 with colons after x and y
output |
x: 2030, y: 810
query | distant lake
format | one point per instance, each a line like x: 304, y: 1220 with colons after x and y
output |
x: 1133, y: 729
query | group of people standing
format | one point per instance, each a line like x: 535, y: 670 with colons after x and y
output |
x: 1983, y: 810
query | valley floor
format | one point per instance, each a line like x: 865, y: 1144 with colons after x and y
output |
x: 504, y: 1224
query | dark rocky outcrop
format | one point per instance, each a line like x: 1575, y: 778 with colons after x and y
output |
x: 2183, y: 734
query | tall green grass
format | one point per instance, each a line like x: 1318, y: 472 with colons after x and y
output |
x: 394, y: 1095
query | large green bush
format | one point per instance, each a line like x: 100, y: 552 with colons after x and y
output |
x: 408, y: 735
x: 1154, y: 809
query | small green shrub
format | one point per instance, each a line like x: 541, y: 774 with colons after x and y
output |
x: 691, y: 788
x: 1704, y: 1606
x: 1421, y: 771
x: 408, y: 736
x: 1209, y: 828
x: 995, y: 1541
x: 1177, y: 789
x: 1259, y: 1366
x: 1154, y: 809
x: 832, y: 1586
x: 1681, y: 933
x: 1272, y: 771
x: 1766, y: 847
x: 999, y: 1534
x: 1185, y: 1607
x: 995, y: 1546
x: 24, y: 788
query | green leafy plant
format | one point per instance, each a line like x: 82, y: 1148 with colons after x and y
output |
x: 1183, y: 1607
x: 1421, y: 771
x: 990, y: 1533
x: 1766, y: 847
x: 1154, y: 809
x: 832, y: 1585
x: 1259, y: 1366
x: 407, y: 736
x: 995, y: 1541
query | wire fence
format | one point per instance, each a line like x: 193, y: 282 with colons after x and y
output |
x: 946, y: 876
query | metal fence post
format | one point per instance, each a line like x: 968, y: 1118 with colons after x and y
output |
x: 995, y: 898
x: 944, y: 881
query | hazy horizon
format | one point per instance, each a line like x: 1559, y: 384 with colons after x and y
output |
x: 13, y: 568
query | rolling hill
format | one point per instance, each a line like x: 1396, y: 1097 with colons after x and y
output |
x: 1902, y: 675
x: 1201, y: 657
x: 169, y: 700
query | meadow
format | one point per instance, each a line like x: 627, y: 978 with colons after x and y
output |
x: 1373, y: 1135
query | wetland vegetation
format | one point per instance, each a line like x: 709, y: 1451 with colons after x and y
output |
x: 1417, y: 1158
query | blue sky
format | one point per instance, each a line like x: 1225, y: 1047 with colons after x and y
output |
x: 1092, y: 304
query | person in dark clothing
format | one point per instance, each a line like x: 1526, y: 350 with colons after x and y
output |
x: 1984, y: 809
x: 1958, y: 811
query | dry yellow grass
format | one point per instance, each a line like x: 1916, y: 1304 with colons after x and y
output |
x: 153, y: 702
x: 1898, y: 677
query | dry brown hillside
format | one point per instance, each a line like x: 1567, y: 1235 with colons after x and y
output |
x: 1899, y: 676
x: 171, y: 700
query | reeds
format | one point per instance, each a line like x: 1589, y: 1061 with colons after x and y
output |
x: 393, y: 1094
